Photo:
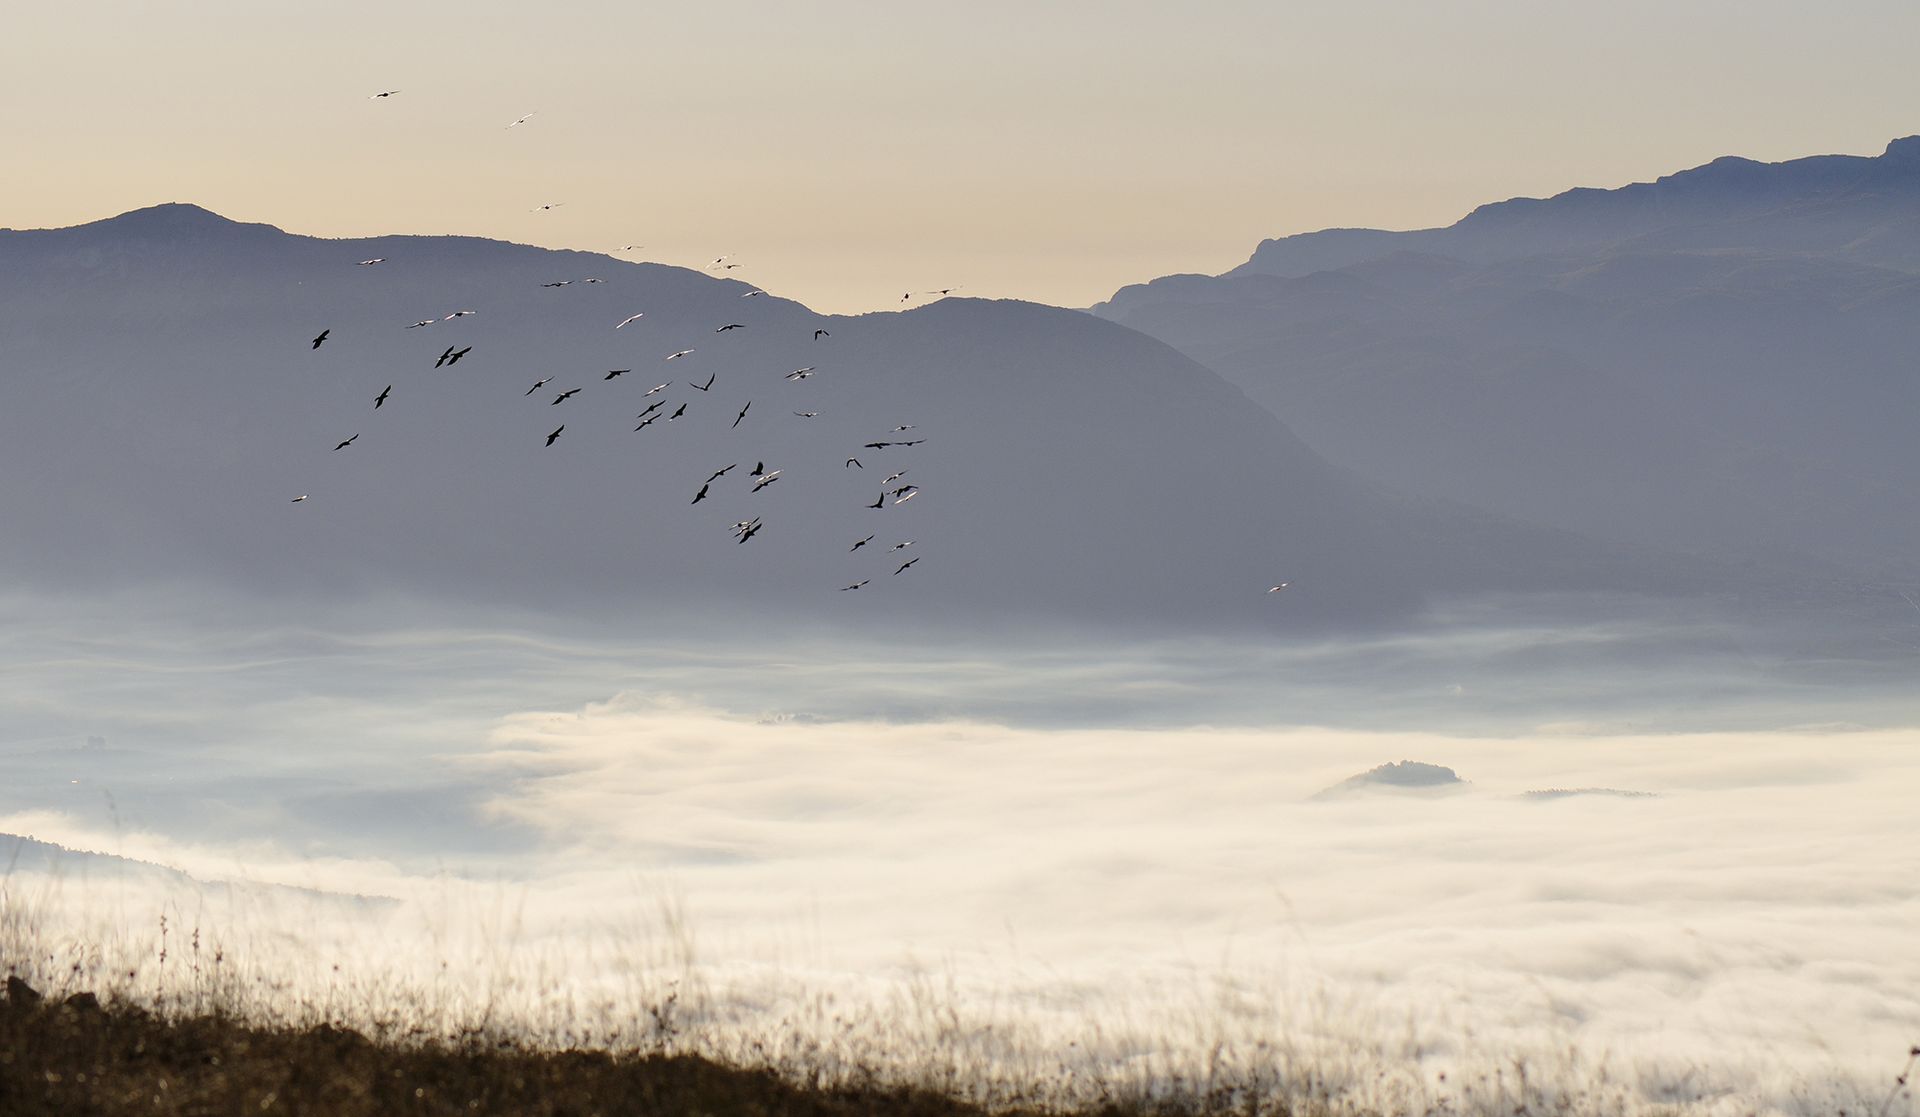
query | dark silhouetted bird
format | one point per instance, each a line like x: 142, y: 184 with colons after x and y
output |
x: 758, y: 469
x: 645, y: 423
x: 613, y: 372
x: 444, y: 357
x: 818, y: 334
x: 321, y: 338
x: 855, y: 463
x: 677, y: 412
x: 652, y: 407
x: 702, y: 494
x: 378, y: 96
x: 564, y: 397
x: 556, y: 433
x: 800, y: 373
x: 906, y: 564
x: 702, y: 387
x: 373, y: 261
x: 719, y: 473
x: 346, y: 444
x: 457, y: 354
x: 559, y: 283
x: 742, y: 415
x: 860, y: 544
x: 382, y: 397
x: 808, y: 414
x: 731, y: 326
x: 879, y: 501
x: 856, y: 585
x: 539, y: 384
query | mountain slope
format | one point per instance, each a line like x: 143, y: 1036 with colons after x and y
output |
x: 1719, y: 362
x: 168, y: 404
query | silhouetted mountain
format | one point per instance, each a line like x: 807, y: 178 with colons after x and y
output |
x: 1719, y: 362
x: 166, y: 404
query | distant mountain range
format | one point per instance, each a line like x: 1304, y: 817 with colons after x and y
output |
x: 1724, y: 362
x: 167, y: 402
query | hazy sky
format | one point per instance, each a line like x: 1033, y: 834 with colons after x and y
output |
x: 847, y: 151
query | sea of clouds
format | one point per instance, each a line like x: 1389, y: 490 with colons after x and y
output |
x: 1046, y: 863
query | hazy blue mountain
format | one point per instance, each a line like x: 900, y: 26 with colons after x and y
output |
x: 165, y: 404
x: 1721, y: 362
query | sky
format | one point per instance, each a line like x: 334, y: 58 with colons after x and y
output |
x: 845, y: 153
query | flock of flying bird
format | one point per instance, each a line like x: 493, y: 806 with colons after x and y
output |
x: 893, y: 490
x: 742, y: 530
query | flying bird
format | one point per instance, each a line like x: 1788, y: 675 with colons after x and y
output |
x: 702, y: 387
x: 545, y: 208
x: 878, y: 445
x: 905, y: 490
x: 720, y: 259
x: 564, y: 397
x: 298, y: 499
x: 914, y: 442
x: 856, y: 585
x: 613, y: 372
x: 645, y: 423
x: 681, y: 410
x: 1280, y: 587
x: 753, y: 293
x: 702, y: 494
x: 593, y: 279
x: 678, y: 355
x: 906, y: 564
x: 556, y: 433
x: 370, y: 263
x: 652, y: 407
x: 800, y: 373
x: 457, y: 314
x: 622, y: 324
x: 524, y: 119
x: 454, y: 357
x: 765, y: 480
x: 910, y: 495
x: 758, y: 469
x: 382, y: 397
x: 860, y: 544
x: 745, y: 529
x: 818, y: 334
x: 895, y: 477
x: 629, y: 247
x: 731, y: 326
x: 854, y: 462
x: 376, y: 97
x: 879, y: 501
x: 742, y: 415
x: 808, y: 414
x: 558, y: 283
x: 899, y: 546
x: 907, y: 427
x: 321, y: 338
x: 655, y: 390
x: 539, y: 384
x: 445, y: 356
x: 719, y: 473
x: 422, y: 322
x: 750, y: 532
x: 346, y: 444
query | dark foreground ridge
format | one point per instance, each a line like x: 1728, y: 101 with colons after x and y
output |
x: 77, y: 1057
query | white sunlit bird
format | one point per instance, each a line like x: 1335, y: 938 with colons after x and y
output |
x: 524, y: 119
x: 629, y: 319
x: 678, y: 355
x: 1280, y: 587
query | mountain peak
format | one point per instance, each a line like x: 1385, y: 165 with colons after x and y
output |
x: 172, y: 218
x: 1906, y: 149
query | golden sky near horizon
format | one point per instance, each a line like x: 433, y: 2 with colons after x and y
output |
x: 846, y: 151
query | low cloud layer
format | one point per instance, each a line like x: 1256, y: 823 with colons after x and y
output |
x: 729, y: 821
